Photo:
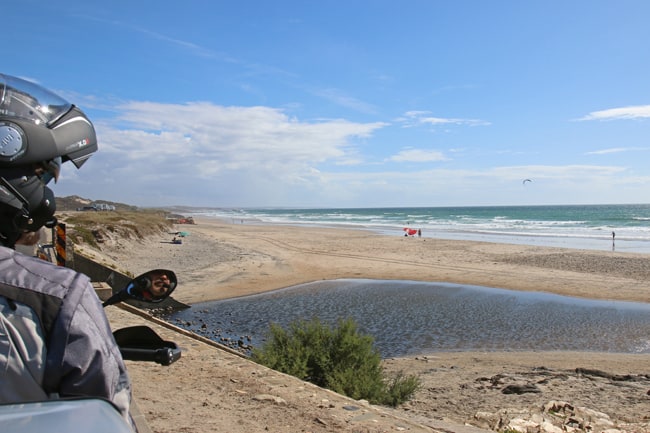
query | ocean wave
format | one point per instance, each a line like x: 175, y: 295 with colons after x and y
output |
x: 500, y: 224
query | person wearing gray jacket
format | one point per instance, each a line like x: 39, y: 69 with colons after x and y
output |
x: 55, y: 340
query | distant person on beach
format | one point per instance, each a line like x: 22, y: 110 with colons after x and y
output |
x: 419, y: 233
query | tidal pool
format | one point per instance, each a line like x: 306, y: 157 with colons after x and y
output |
x: 409, y: 318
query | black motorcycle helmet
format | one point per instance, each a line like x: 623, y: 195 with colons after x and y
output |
x: 38, y: 132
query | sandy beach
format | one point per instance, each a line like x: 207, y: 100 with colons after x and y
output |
x: 221, y: 260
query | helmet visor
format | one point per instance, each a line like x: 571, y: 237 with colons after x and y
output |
x: 28, y: 101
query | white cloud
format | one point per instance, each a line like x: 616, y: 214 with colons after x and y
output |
x: 617, y: 150
x: 209, y: 155
x: 233, y: 135
x: 555, y: 173
x: 631, y: 112
x: 339, y: 98
x: 254, y: 151
x: 418, y: 155
x: 416, y: 118
x: 489, y: 186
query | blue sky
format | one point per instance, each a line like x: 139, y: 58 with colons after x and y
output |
x: 348, y: 103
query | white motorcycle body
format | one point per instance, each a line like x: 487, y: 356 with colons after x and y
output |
x: 62, y: 416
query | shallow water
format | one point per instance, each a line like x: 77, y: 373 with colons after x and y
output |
x: 409, y: 318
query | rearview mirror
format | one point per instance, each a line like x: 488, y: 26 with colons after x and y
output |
x: 152, y: 287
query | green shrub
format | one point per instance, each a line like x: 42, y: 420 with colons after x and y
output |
x: 340, y: 359
x: 83, y: 235
x: 401, y: 388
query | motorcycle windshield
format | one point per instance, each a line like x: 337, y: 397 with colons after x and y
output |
x: 25, y: 100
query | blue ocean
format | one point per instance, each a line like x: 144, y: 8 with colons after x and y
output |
x: 569, y: 226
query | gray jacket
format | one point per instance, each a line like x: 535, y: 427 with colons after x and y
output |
x: 54, y: 336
